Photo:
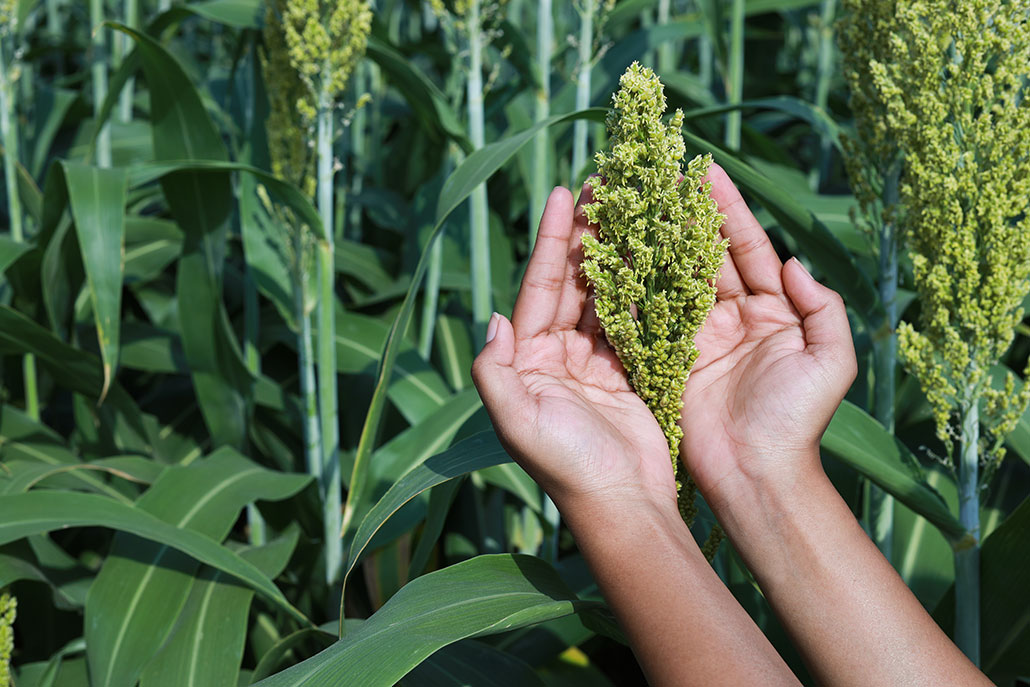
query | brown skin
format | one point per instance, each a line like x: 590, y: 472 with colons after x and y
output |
x: 776, y: 359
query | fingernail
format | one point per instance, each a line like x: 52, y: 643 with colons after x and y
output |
x: 803, y: 268
x: 491, y: 328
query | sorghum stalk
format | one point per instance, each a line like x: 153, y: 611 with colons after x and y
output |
x: 665, y: 50
x: 125, y: 98
x: 323, y: 43
x: 539, y: 178
x: 955, y: 86
x: 584, y: 65
x: 257, y: 532
x: 735, y: 74
x: 96, y: 10
x: 479, y: 214
x: 658, y: 253
x: 9, y: 139
x: 967, y: 554
x: 880, y: 513
x: 434, y: 273
x: 823, y: 79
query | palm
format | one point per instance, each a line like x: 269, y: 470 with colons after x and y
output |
x: 751, y: 348
x: 588, y: 412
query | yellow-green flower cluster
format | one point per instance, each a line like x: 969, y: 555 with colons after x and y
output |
x: 8, y: 15
x: 655, y: 263
x: 8, y: 611
x: 864, y: 35
x: 950, y: 85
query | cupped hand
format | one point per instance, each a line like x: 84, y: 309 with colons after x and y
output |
x: 556, y: 392
x: 775, y: 360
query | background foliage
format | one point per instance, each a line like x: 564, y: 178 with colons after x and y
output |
x: 158, y: 523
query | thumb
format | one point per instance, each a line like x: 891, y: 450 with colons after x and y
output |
x: 824, y: 316
x: 499, y: 385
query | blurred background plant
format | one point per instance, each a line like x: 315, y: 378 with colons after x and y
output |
x: 221, y: 216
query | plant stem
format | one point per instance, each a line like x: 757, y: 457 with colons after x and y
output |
x: 880, y: 515
x: 824, y: 75
x: 9, y: 137
x: 479, y: 212
x: 430, y: 301
x: 666, y: 57
x: 357, y: 146
x: 327, y: 387
x: 305, y: 363
x: 735, y: 74
x: 96, y: 8
x: 967, y: 559
x: 125, y: 98
x: 580, y: 128
x: 256, y: 530
x: 541, y: 143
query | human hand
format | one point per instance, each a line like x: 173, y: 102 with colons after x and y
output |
x: 776, y: 358
x: 556, y: 392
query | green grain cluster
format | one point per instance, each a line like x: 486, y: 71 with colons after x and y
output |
x: 954, y: 88
x: 654, y: 264
x: 8, y: 611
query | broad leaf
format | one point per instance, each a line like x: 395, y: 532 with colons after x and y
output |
x: 482, y: 596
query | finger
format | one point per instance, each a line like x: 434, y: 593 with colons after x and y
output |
x: 504, y: 395
x: 752, y: 252
x: 541, y: 288
x: 574, y: 290
x: 730, y: 284
x: 825, y: 319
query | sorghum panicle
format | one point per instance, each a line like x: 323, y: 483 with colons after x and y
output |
x: 655, y: 264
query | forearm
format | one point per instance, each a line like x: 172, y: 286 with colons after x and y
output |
x: 849, y: 613
x: 684, y: 625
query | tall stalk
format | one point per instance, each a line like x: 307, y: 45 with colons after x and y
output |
x: 880, y: 511
x: 9, y: 137
x: 434, y: 272
x: 735, y: 74
x: 666, y: 54
x: 824, y: 76
x: 125, y: 98
x: 327, y: 386
x: 539, y: 179
x: 96, y: 17
x: 579, y: 129
x: 967, y: 558
x: 478, y: 211
x: 256, y: 529
x: 306, y: 368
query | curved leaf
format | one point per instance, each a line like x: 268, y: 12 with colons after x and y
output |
x: 819, y: 244
x: 481, y: 450
x: 481, y: 596
x: 133, y: 604
x: 857, y: 439
x: 97, y: 198
x: 38, y: 512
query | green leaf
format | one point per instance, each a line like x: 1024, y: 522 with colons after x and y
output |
x: 243, y: 14
x: 134, y: 602
x: 429, y: 103
x: 11, y: 250
x: 476, y: 169
x: 469, y: 663
x: 481, y: 450
x: 217, y: 609
x: 820, y: 121
x: 97, y: 199
x: 481, y: 596
x: 861, y: 442
x: 38, y: 512
x: 201, y: 203
x: 821, y: 246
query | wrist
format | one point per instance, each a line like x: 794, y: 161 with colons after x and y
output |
x: 614, y: 516
x: 768, y: 485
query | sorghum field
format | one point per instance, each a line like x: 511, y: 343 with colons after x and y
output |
x: 249, y: 250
